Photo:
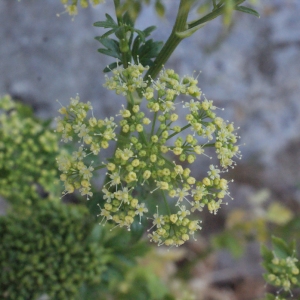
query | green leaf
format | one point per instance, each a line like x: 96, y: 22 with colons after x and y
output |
x: 120, y: 32
x: 135, y: 47
x: 150, y: 49
x: 136, y: 231
x: 109, y: 53
x: 128, y: 20
x: 281, y: 249
x: 109, y: 23
x: 148, y: 30
x: 107, y: 34
x: 141, y: 35
x: 146, y: 62
x: 111, y: 45
x: 266, y: 253
x: 247, y: 10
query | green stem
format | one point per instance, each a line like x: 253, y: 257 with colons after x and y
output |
x: 166, y: 203
x: 130, y: 101
x: 172, y: 42
x: 99, y: 167
x: 218, y: 10
x: 208, y: 145
x: 183, y: 128
x: 153, y: 124
x: 125, y: 60
x: 143, y: 137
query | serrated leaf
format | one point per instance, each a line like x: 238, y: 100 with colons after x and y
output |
x: 112, y: 47
x: 156, y: 47
x: 110, y: 44
x: 247, y: 10
x: 109, y: 23
x: 108, y: 33
x: 120, y: 32
x: 135, y: 47
x: 128, y: 20
x: 150, y: 49
x: 141, y: 35
x: 109, y: 53
x: 148, y: 30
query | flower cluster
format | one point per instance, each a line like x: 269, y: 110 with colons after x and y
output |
x: 284, y: 272
x: 282, y: 267
x: 127, y: 80
x: 72, y: 10
x: 154, y: 153
x: 27, y: 155
x: 90, y: 132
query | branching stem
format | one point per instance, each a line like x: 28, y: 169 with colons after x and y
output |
x: 172, y: 42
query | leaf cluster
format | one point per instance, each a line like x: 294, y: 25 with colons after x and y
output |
x: 130, y: 42
x: 48, y: 249
x: 123, y: 279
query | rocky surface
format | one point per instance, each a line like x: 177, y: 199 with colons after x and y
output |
x: 252, y: 70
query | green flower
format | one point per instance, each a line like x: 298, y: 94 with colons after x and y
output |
x: 28, y: 148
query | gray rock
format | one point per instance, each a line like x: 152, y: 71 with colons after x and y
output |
x: 252, y: 70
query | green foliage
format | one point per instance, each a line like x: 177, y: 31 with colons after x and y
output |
x: 282, y: 267
x: 135, y: 48
x: 28, y: 148
x: 123, y: 279
x: 48, y: 250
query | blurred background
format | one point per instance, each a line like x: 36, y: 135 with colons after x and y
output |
x: 252, y: 69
